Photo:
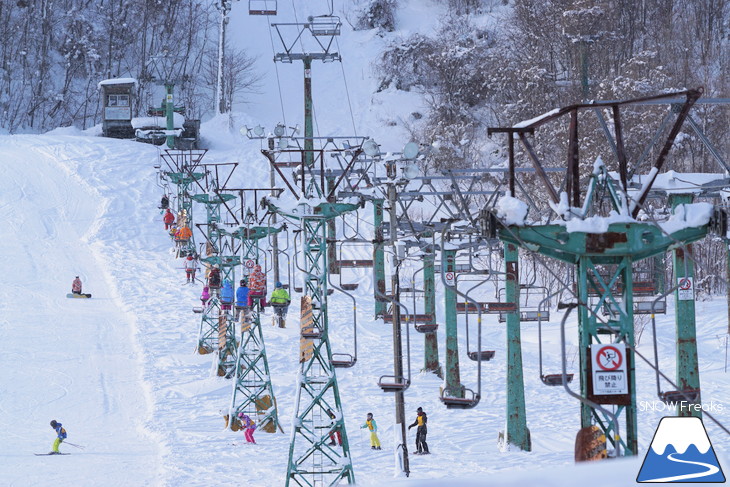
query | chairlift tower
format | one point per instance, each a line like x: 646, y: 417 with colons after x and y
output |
x: 217, y: 327
x: 252, y: 392
x: 312, y: 461
x: 183, y: 170
x: 167, y: 69
x: 617, y: 248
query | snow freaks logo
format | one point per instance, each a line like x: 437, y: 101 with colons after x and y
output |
x: 681, y: 452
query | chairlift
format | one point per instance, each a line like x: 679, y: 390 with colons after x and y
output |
x: 312, y: 332
x: 262, y: 7
x: 548, y: 379
x: 425, y: 323
x: 393, y: 383
x: 476, y: 355
x: 529, y: 312
x: 689, y: 395
x: 325, y: 25
x: 345, y: 360
x: 469, y: 401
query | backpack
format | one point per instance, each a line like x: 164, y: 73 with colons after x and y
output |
x: 62, y: 433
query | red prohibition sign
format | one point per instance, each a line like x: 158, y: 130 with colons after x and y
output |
x: 249, y: 264
x: 609, y: 358
x: 685, y: 284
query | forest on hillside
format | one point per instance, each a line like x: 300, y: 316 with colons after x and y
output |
x: 490, y: 63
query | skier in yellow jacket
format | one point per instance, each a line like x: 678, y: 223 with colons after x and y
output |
x: 373, y: 427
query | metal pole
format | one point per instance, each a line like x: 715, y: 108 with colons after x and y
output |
x: 431, y: 346
x: 275, y: 236
x: 170, y: 112
x: 452, y: 381
x: 400, y: 412
x: 379, y: 258
x: 688, y: 375
x: 516, y: 433
x: 308, y: 125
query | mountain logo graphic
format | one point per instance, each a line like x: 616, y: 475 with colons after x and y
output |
x: 681, y: 452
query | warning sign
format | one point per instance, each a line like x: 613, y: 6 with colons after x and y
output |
x: 249, y: 263
x: 685, y: 289
x: 450, y: 279
x: 609, y: 369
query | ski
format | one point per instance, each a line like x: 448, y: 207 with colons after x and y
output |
x: 48, y: 454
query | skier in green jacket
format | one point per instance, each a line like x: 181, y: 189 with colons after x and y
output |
x: 280, y: 301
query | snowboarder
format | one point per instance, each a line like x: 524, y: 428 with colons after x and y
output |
x: 205, y: 296
x: 280, y: 300
x: 335, y: 432
x: 241, y: 298
x: 421, y: 431
x: 169, y: 219
x: 257, y: 286
x: 164, y: 202
x: 248, y: 427
x: 226, y: 295
x: 61, y: 435
x: 190, y: 267
x: 76, y: 286
x: 373, y: 427
x: 214, y: 278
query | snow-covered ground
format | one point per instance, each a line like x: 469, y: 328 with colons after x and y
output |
x: 119, y: 370
x: 120, y: 373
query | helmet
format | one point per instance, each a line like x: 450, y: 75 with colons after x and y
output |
x: 370, y: 415
x: 77, y: 277
x: 241, y: 415
x: 216, y: 266
x: 278, y: 284
x: 419, y: 410
x: 53, y: 423
x: 243, y: 282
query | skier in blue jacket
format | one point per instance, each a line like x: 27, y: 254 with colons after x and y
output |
x: 61, y: 432
x: 241, y: 298
x: 226, y: 295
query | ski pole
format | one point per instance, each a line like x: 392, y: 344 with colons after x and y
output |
x: 74, y: 444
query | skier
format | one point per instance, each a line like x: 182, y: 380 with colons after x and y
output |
x: 248, y: 427
x: 76, y: 286
x: 214, y: 278
x: 257, y: 286
x: 280, y: 300
x: 183, y: 235
x: 190, y: 267
x: 165, y: 202
x: 241, y: 298
x: 421, y: 431
x: 335, y: 432
x: 205, y: 296
x: 169, y: 219
x: 373, y: 427
x: 61, y: 435
x: 226, y: 295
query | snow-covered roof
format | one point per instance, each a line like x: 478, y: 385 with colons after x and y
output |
x: 677, y: 183
x: 117, y: 81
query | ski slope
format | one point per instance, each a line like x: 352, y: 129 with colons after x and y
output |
x: 119, y: 370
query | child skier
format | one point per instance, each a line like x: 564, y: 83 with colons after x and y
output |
x: 241, y: 298
x: 373, y: 427
x: 205, y: 296
x: 336, y: 432
x: 61, y: 435
x: 226, y: 295
x: 190, y: 267
x: 248, y: 427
